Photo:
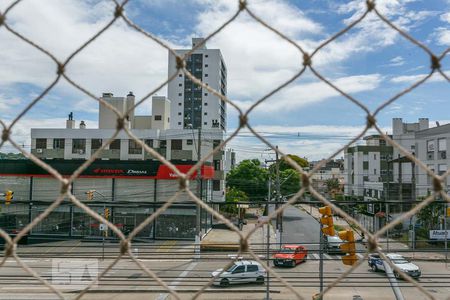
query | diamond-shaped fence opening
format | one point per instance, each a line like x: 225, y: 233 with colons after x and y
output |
x: 245, y: 123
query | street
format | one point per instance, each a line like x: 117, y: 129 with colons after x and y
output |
x: 187, y: 275
x: 176, y: 264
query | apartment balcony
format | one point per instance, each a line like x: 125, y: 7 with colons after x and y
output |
x: 181, y: 154
x: 48, y: 153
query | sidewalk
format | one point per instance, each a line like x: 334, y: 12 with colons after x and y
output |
x: 387, y: 245
x: 228, y: 240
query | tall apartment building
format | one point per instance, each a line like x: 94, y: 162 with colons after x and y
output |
x: 191, y: 105
x: 365, y: 165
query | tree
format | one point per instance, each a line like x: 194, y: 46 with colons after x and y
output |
x: 249, y: 177
x: 232, y: 197
x: 302, y: 162
x: 290, y: 182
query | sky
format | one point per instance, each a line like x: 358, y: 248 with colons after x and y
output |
x: 371, y: 62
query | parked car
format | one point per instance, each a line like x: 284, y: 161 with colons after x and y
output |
x: 333, y: 244
x: 376, y: 264
x: 244, y: 271
x: 290, y: 255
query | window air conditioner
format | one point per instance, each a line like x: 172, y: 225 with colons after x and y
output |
x: 443, y: 155
x: 38, y: 150
x: 80, y: 151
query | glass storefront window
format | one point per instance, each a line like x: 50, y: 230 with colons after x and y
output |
x: 175, y: 226
x: 57, y: 222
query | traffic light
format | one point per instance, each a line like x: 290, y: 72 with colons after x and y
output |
x: 90, y: 195
x: 8, y: 197
x: 348, y: 247
x: 106, y: 213
x: 327, y: 220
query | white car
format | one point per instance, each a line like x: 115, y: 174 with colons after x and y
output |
x: 244, y: 271
x: 376, y: 263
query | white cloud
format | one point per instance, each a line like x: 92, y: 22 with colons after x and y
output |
x: 299, y: 95
x: 314, y: 141
x: 7, y: 104
x: 120, y: 60
x: 414, y: 78
x: 397, y: 61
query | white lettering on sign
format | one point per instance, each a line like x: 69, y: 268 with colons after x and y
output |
x: 439, y: 234
x: 137, y: 172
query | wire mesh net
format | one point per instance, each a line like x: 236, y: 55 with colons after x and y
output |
x: 125, y: 248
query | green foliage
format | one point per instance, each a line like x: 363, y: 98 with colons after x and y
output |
x: 232, y: 197
x: 302, y: 162
x: 290, y: 182
x: 251, y: 178
x: 12, y: 156
x: 332, y: 184
x: 429, y: 215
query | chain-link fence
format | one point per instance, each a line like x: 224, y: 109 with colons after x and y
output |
x: 244, y: 123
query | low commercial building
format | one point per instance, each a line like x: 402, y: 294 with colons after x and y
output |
x: 124, y: 178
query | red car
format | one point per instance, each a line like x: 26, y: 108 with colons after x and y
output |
x: 290, y: 255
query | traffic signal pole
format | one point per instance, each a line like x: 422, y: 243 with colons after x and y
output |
x: 321, y: 244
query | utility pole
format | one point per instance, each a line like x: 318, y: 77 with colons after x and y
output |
x: 279, y: 219
x: 199, y: 192
x: 268, y: 244
x: 279, y: 215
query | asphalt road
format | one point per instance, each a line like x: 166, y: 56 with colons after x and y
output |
x: 188, y: 275
x: 300, y: 228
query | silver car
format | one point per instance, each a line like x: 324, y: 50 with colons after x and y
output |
x: 333, y: 244
x: 244, y: 271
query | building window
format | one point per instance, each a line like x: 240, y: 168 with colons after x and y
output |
x: 374, y: 171
x: 206, y: 75
x: 96, y: 144
x: 430, y: 146
x: 205, y: 113
x: 216, y: 185
x: 158, y: 118
x: 179, y: 113
x: 431, y: 167
x: 442, y: 148
x: 442, y: 168
x: 180, y: 75
x: 41, y: 143
x: 177, y: 144
x: 206, y: 104
x: 163, y: 144
x: 374, y: 157
x: 180, y: 94
x: 206, y: 65
x: 189, y: 142
x: 115, y: 145
x: 58, y: 144
x: 206, y: 55
x: 180, y: 84
x: 216, y: 165
x: 149, y: 143
x: 205, y: 123
x: 79, y: 146
x: 179, y: 103
x: 179, y: 123
x: 134, y: 147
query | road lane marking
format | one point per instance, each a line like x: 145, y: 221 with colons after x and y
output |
x: 327, y: 256
x: 78, y: 244
x: 166, y: 246
x: 177, y: 281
